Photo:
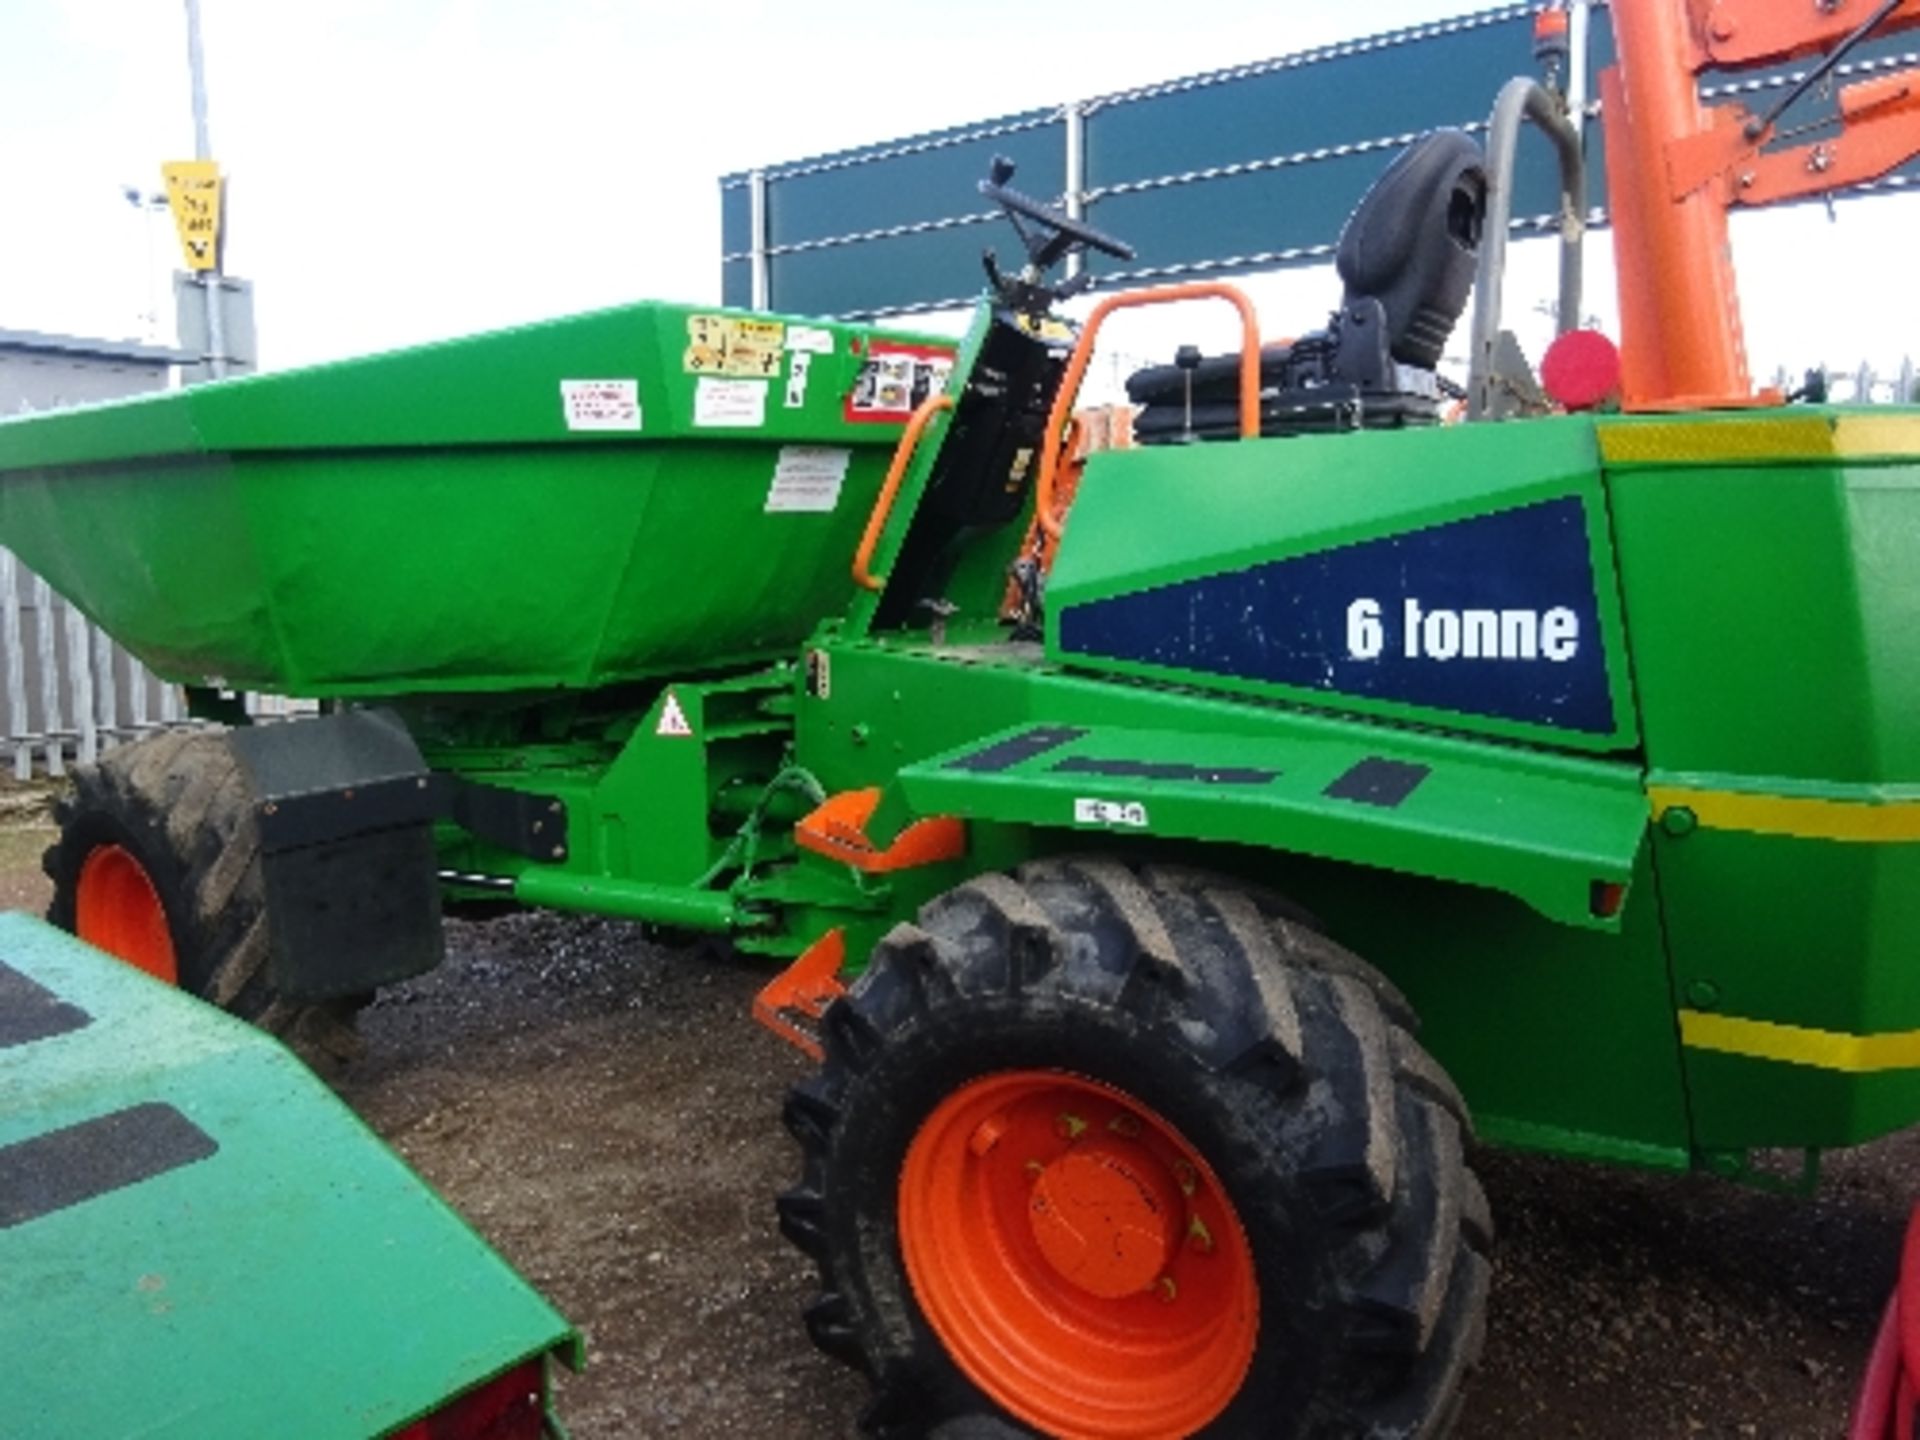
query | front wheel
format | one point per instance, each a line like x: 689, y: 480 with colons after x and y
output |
x: 1110, y: 1153
x: 158, y: 864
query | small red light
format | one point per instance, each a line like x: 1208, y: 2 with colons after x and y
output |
x: 507, y: 1407
x: 1606, y: 898
x: 854, y: 344
x: 1581, y: 370
x: 1551, y: 21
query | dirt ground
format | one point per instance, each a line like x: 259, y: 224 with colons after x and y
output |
x: 605, y: 1113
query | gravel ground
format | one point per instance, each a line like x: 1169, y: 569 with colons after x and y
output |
x: 605, y: 1113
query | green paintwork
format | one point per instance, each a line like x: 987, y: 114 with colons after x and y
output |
x: 1799, y: 585
x: 1561, y: 1034
x: 1796, y: 672
x: 1757, y: 611
x: 299, y: 1282
x: 426, y: 520
x: 1542, y: 828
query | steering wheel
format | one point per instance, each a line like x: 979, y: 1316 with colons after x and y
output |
x: 1064, y: 232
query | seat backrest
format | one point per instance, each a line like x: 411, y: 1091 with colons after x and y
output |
x: 1413, y: 241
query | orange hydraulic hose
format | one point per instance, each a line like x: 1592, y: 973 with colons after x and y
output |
x: 883, y: 503
x: 1083, y: 356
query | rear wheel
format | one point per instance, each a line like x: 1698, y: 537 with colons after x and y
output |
x: 1099, y: 1152
x: 158, y: 863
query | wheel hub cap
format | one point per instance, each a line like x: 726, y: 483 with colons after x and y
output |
x: 1077, y: 1257
x: 1105, y: 1216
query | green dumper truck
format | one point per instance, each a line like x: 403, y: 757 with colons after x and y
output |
x: 1111, y: 855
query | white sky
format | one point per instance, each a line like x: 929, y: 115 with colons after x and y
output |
x: 405, y: 170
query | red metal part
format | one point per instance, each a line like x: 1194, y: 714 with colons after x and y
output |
x: 1885, y: 1409
x: 806, y: 987
x: 508, y: 1407
x: 837, y: 829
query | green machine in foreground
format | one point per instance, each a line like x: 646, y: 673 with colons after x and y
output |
x: 1070, y: 793
x: 199, y: 1240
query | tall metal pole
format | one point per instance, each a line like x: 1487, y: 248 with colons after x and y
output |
x: 209, y: 279
x: 1075, y: 117
x: 759, y: 276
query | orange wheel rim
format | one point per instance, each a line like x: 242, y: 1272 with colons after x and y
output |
x: 118, y: 910
x: 1077, y: 1258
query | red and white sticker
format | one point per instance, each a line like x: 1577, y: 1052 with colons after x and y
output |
x: 894, y: 379
x: 673, y: 720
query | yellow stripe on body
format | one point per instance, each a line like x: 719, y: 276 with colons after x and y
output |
x: 1800, y: 1044
x: 1874, y: 822
x: 1772, y: 437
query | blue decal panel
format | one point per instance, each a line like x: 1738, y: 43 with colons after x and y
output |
x: 1493, y: 615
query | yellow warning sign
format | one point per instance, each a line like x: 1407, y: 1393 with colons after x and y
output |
x: 731, y: 345
x: 193, y: 194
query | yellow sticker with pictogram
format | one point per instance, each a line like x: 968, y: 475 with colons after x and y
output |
x: 193, y: 194
x: 734, y: 345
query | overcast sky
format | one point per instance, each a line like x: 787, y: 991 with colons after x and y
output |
x: 404, y: 170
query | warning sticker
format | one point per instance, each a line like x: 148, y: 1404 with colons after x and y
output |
x: 808, y: 477
x: 601, y: 404
x: 673, y: 720
x: 730, y: 402
x: 733, y: 345
x: 894, y: 379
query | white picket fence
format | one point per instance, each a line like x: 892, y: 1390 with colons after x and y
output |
x: 68, y: 693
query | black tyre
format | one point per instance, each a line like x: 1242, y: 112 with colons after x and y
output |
x: 158, y: 862
x: 1134, y: 1153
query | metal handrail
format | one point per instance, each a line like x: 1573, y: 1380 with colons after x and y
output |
x: 883, y: 502
x: 1069, y: 390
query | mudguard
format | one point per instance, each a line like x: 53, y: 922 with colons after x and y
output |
x: 1559, y: 833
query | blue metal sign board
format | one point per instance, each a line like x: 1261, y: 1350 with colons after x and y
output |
x: 1253, y: 168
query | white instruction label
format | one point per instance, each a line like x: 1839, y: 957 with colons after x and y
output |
x: 810, y: 339
x: 601, y: 404
x: 1110, y: 812
x: 730, y: 402
x: 808, y: 477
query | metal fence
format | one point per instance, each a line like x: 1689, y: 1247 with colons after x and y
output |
x: 1861, y: 384
x: 68, y: 693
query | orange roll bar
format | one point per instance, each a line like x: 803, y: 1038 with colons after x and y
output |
x: 1083, y: 356
x: 883, y: 502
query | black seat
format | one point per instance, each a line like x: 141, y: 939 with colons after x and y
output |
x: 1406, y: 258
